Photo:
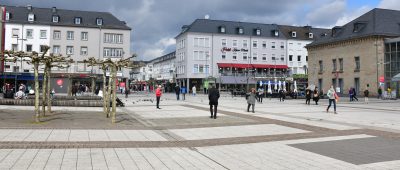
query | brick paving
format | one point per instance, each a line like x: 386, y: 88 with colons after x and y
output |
x: 181, y: 136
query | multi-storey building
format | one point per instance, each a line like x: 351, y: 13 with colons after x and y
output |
x: 164, y: 67
x: 2, y: 32
x: 361, y: 54
x: 236, y: 54
x: 79, y: 34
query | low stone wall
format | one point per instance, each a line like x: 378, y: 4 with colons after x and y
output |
x: 73, y: 103
x: 71, y: 97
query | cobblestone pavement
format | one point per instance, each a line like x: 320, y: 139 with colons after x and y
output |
x: 180, y: 135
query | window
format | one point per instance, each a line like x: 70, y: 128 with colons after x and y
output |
x: 14, y: 47
x: 357, y: 84
x: 84, y: 36
x: 84, y: 51
x: 282, y: 45
x: 77, y: 20
x: 113, y: 38
x: 334, y: 65
x: 258, y: 32
x: 294, y: 34
x: 282, y: 58
x: 42, y: 48
x: 113, y: 52
x: 29, y: 33
x: 273, y: 57
x: 31, y: 17
x: 201, y: 68
x: 244, y: 43
x: 234, y: 43
x: 275, y: 33
x: 207, y: 69
x: 310, y: 35
x: 222, y: 29
x: 234, y: 56
x: 70, y: 35
x: 57, y: 35
x: 201, y: 42
x: 15, y: 32
x: 255, y: 56
x: 290, y: 57
x: 240, y: 31
x: 56, y: 18
x: 255, y: 43
x: 8, y: 16
x: 70, y: 50
x: 320, y: 85
x: 196, y: 68
x: 223, y: 42
x: 321, y: 66
x: 26, y: 70
x: 244, y: 56
x: 43, y: 34
x: 264, y: 57
x: 357, y: 61
x: 306, y: 57
x: 341, y: 64
x: 99, y: 21
x: 223, y: 56
x: 56, y: 49
x: 264, y: 44
x: 299, y: 58
x: 273, y: 45
x: 29, y: 48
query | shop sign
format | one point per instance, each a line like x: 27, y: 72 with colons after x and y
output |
x: 226, y: 49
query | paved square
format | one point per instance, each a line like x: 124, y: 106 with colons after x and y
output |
x: 356, y: 151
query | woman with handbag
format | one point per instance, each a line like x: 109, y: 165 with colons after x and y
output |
x: 333, y: 98
x: 316, y: 96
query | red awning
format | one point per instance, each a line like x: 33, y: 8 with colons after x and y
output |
x: 242, y: 65
x: 270, y: 66
x: 224, y: 65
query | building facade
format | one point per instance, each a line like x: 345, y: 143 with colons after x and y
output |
x: 353, y: 55
x: 164, y: 68
x: 78, y: 34
x: 2, y: 34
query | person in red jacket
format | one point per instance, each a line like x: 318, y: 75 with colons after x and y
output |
x: 158, y: 96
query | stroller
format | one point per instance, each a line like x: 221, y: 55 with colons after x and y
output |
x: 119, y: 103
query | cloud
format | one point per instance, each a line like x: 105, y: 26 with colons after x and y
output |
x: 327, y: 14
x: 347, y: 17
x: 389, y: 4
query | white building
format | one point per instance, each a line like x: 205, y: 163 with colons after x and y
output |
x: 78, y: 34
x: 164, y: 67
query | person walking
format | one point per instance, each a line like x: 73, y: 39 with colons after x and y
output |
x: 351, y: 94
x: 126, y: 92
x: 308, y: 95
x: 177, y: 91
x: 354, y: 94
x: 194, y: 90
x: 281, y: 95
x: 316, y: 96
x: 260, y: 95
x: 184, y: 91
x: 332, y: 96
x: 251, y: 99
x: 366, y: 95
x: 379, y: 93
x: 213, y: 96
x: 158, y: 96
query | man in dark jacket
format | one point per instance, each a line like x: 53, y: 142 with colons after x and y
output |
x: 213, y: 96
x: 177, y: 91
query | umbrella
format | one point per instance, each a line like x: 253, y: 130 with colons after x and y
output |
x: 269, y: 87
x: 276, y: 85
x: 280, y: 85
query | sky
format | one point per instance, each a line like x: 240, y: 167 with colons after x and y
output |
x: 155, y: 23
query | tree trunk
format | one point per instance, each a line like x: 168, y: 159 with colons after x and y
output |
x: 114, y: 93
x: 49, y: 89
x: 44, y: 90
x: 70, y: 85
x: 93, y: 84
x: 110, y: 82
x: 104, y: 91
x: 36, y: 70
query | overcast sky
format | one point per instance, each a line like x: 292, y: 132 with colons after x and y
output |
x: 155, y: 23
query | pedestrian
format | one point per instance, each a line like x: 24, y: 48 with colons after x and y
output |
x: 194, y: 90
x: 389, y: 92
x: 213, y: 96
x: 126, y: 92
x: 184, y: 91
x: 177, y: 91
x: 158, y: 96
x: 332, y: 96
x: 366, y: 95
x: 260, y: 95
x: 316, y: 95
x: 308, y: 95
x: 355, y: 94
x: 74, y: 90
x: 281, y: 95
x: 351, y: 94
x: 379, y: 93
x: 251, y: 99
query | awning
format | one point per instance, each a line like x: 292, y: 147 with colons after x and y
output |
x: 224, y: 65
x: 396, y: 77
x: 269, y: 66
x: 242, y: 65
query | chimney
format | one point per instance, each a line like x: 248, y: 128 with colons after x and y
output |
x: 29, y: 7
x: 54, y: 9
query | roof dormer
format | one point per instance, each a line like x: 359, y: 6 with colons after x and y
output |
x: 240, y: 30
x: 77, y: 20
x: 222, y: 29
x: 31, y: 17
x: 99, y: 21
x: 336, y: 30
x: 358, y: 26
x: 8, y: 16
x: 55, y: 18
x: 293, y: 34
x: 275, y: 33
x: 310, y: 35
x: 257, y: 31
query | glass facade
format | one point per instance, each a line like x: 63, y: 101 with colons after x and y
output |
x: 392, y: 63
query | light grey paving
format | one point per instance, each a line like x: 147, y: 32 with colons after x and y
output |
x: 11, y: 158
x: 40, y: 160
x: 98, y: 158
x: 69, y: 160
x: 235, y: 131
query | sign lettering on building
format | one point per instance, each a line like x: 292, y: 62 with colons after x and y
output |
x: 226, y: 49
